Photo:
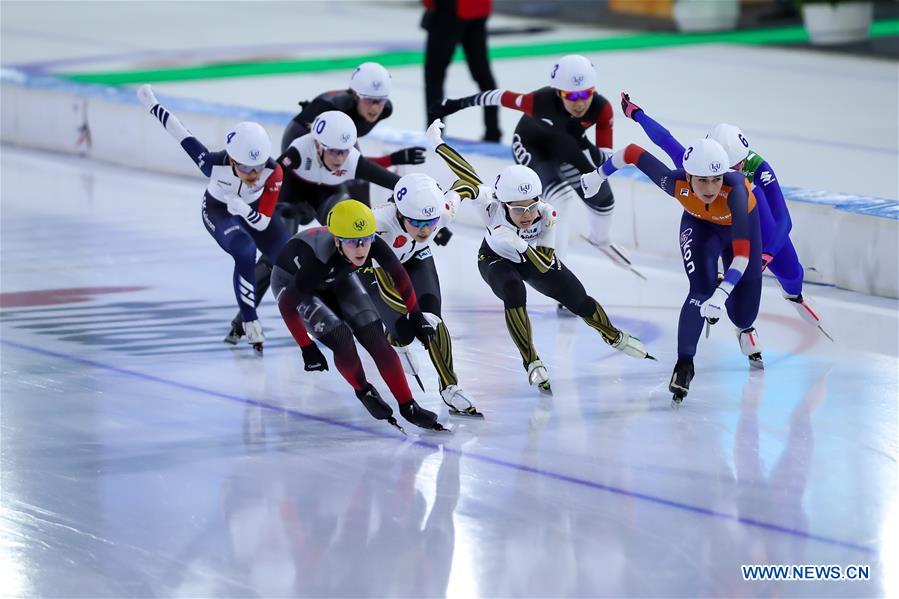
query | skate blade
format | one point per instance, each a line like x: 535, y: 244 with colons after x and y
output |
x: 545, y: 388
x: 650, y: 357
x: 756, y: 363
x: 392, y: 421
x: 618, y: 259
x: 418, y: 380
x: 820, y: 328
x: 469, y: 413
x: 677, y: 400
x: 439, y: 429
x: 257, y: 349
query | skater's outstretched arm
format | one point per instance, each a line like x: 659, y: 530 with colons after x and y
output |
x: 659, y: 135
x: 194, y: 148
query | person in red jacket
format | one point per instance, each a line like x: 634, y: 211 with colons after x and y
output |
x: 450, y: 23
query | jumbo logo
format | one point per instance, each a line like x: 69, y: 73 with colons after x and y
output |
x: 427, y: 210
x: 345, y: 137
x: 376, y: 84
x: 359, y: 225
x: 715, y: 166
x: 254, y: 154
x: 524, y: 188
x: 578, y: 79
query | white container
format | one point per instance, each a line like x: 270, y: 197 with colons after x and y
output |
x: 838, y: 23
x: 706, y: 15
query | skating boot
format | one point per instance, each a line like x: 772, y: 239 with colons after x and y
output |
x: 410, y: 364
x: 421, y: 417
x: 254, y: 334
x: 233, y: 338
x: 631, y: 346
x: 458, y: 403
x: 807, y: 311
x: 537, y: 375
x: 376, y: 406
x: 680, y: 379
x: 751, y: 346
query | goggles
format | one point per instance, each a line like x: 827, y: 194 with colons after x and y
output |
x: 581, y: 95
x: 522, y: 210
x: 419, y: 224
x: 336, y: 152
x: 359, y: 242
x: 373, y: 99
x: 243, y: 168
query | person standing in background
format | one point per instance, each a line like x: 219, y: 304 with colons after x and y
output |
x: 450, y: 23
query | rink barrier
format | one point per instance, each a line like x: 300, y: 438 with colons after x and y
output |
x: 846, y: 240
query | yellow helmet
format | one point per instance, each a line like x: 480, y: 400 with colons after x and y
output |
x: 351, y: 219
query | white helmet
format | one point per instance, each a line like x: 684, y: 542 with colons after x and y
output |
x: 517, y: 182
x: 334, y: 129
x: 418, y: 196
x: 573, y: 73
x: 248, y: 144
x: 705, y: 158
x: 370, y: 79
x: 732, y: 140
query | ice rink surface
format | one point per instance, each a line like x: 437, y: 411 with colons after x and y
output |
x: 142, y: 457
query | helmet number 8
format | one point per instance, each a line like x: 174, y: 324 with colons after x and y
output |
x: 401, y: 193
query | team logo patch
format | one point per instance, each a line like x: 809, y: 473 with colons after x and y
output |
x: 524, y: 188
x: 577, y: 80
x: 376, y: 84
x: 715, y: 166
x: 685, y: 192
x: 399, y: 242
x: 428, y: 210
x: 254, y: 154
x: 345, y: 137
x: 359, y: 225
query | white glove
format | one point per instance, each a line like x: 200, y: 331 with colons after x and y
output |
x: 433, y: 134
x: 146, y: 96
x: 713, y: 307
x: 592, y: 181
x: 510, y: 238
x: 238, y: 207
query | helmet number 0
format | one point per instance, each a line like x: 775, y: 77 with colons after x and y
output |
x: 743, y: 141
x: 320, y: 126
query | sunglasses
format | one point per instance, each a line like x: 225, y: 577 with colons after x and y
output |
x: 359, y: 242
x: 372, y: 99
x: 249, y: 169
x: 581, y: 95
x: 520, y: 210
x: 335, y: 152
x: 420, y: 224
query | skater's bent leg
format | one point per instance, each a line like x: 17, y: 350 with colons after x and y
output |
x: 372, y: 338
x: 340, y: 341
x: 788, y: 270
x: 507, y: 285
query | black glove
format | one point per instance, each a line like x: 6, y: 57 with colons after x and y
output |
x: 313, y: 358
x: 414, y: 155
x: 442, y: 236
x: 423, y: 329
x: 438, y: 110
